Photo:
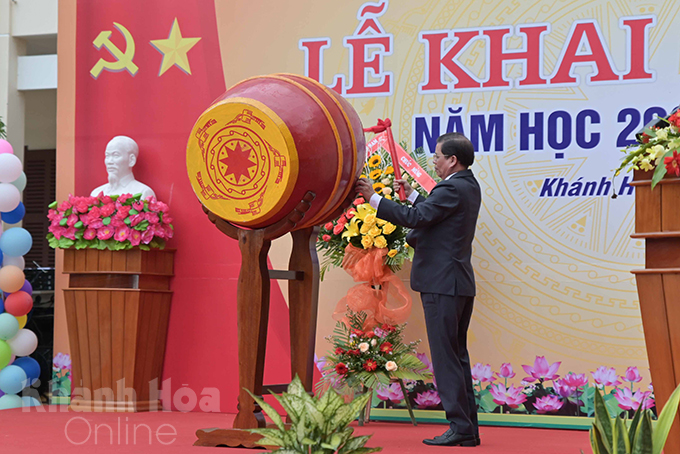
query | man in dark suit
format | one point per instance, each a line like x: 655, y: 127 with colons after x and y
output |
x: 443, y: 229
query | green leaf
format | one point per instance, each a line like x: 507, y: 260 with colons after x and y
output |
x: 52, y: 205
x: 127, y: 221
x: 144, y: 247
x: 106, y: 221
x: 633, y: 426
x: 269, y: 410
x: 620, y: 441
x: 354, y: 443
x: 63, y: 222
x: 612, y: 405
x: 603, y: 422
x: 133, y: 211
x: 643, y: 436
x: 660, y: 170
x: 666, y: 418
x: 486, y: 403
x: 596, y: 441
x: 65, y: 243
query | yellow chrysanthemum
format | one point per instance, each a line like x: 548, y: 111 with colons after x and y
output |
x: 378, y: 187
x: 362, y: 176
x: 351, y: 228
x: 389, y: 228
x: 375, y: 231
x: 367, y: 241
x: 374, y: 161
x: 389, y: 170
x: 370, y: 219
x: 392, y: 253
x: 380, y: 242
x: 375, y: 174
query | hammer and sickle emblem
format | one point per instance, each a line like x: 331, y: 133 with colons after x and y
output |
x: 123, y: 59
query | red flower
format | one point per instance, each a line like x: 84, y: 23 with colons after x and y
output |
x: 338, y: 229
x: 339, y: 351
x: 350, y: 214
x: 82, y: 206
x: 326, y: 238
x: 370, y: 365
x: 341, y: 369
x: 388, y: 328
x: 342, y: 220
x: 674, y: 120
x: 645, y: 137
x: 354, y: 352
x: 386, y: 347
x: 358, y: 201
x: 673, y: 164
x: 107, y: 210
x: 358, y: 332
x: 328, y: 226
x: 370, y: 334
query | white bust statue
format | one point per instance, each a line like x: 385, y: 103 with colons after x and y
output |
x: 120, y: 157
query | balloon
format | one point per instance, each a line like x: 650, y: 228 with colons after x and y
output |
x: 10, y: 167
x: 16, y: 215
x: 2, y: 306
x: 22, y: 321
x: 9, y: 197
x: 18, y: 304
x: 9, y: 401
x: 24, y: 343
x: 13, y: 379
x: 30, y: 366
x: 9, y: 326
x: 11, y: 278
x: 16, y: 241
x: 29, y: 401
x: 20, y: 183
x: 5, y: 354
x: 5, y: 147
x: 19, y: 262
x: 27, y: 287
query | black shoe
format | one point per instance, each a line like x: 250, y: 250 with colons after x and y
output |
x: 450, y: 438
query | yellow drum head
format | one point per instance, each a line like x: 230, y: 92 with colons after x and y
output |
x: 242, y: 161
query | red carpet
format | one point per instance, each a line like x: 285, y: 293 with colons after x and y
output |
x: 33, y: 432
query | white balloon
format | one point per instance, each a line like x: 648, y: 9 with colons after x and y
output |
x: 19, y: 262
x: 20, y: 183
x: 9, y: 195
x: 24, y: 343
x: 10, y: 168
x: 9, y: 401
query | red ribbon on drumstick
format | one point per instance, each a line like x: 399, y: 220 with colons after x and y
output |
x: 386, y: 125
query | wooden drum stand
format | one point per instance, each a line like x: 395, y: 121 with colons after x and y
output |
x: 253, y: 314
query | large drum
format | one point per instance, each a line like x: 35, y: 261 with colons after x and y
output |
x: 256, y: 151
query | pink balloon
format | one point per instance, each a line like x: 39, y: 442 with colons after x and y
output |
x: 5, y: 147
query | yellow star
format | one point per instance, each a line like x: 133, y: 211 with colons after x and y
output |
x: 174, y: 49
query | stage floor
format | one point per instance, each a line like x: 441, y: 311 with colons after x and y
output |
x: 73, y: 432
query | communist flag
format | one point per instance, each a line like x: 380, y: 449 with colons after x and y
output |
x: 147, y: 70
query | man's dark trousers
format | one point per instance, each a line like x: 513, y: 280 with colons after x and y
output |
x: 447, y: 319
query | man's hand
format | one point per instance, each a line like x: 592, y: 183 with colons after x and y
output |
x: 407, y: 187
x: 364, y: 188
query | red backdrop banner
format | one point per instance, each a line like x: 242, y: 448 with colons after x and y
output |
x: 150, y: 78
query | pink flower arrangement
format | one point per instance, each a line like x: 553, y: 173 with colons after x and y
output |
x: 109, y: 222
x: 575, y: 380
x: 606, y: 377
x: 512, y: 397
x: 482, y: 373
x: 392, y: 393
x: 61, y: 361
x: 548, y: 404
x: 632, y: 401
x: 542, y: 370
x: 428, y: 399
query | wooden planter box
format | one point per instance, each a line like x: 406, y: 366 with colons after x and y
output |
x: 657, y: 221
x: 117, y: 311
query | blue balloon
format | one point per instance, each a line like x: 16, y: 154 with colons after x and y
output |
x: 30, y: 366
x: 16, y: 242
x: 12, y: 379
x: 16, y: 215
x: 0, y: 252
x: 2, y: 306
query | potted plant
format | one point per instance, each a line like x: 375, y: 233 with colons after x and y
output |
x: 317, y: 425
x: 118, y: 298
x: 656, y: 162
